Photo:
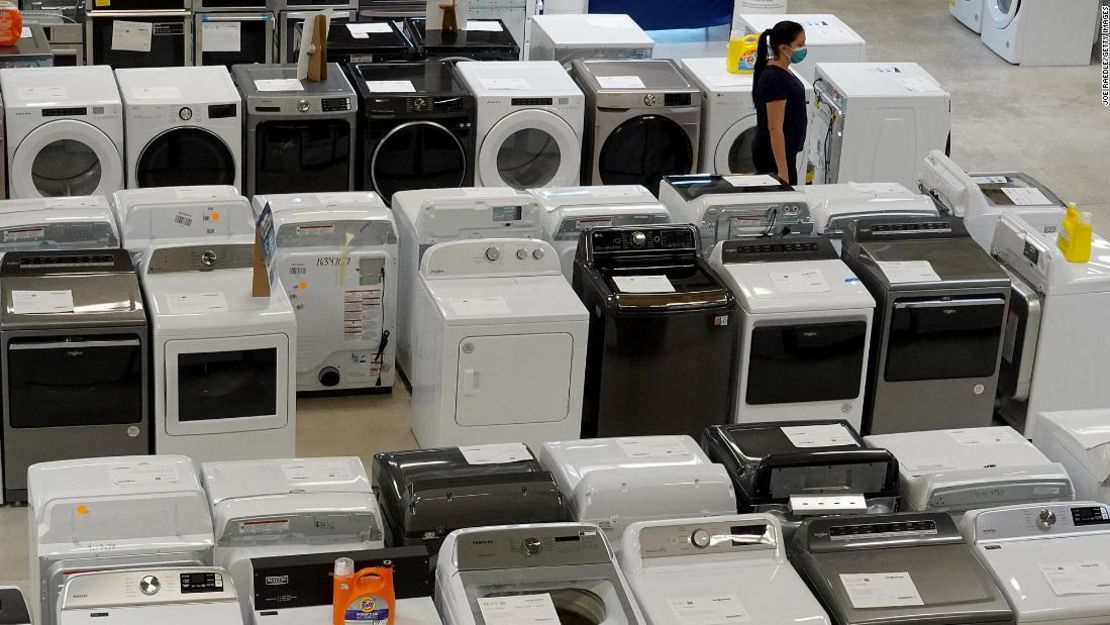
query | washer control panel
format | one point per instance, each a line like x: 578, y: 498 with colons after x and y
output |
x: 693, y: 539
x: 116, y: 588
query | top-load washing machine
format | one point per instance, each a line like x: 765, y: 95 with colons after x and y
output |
x: 720, y: 570
x: 828, y: 38
x: 566, y: 37
x: 1079, y: 440
x: 570, y: 210
x: 1048, y: 559
x: 63, y: 223
x: 1039, y: 32
x: 369, y: 42
x: 805, y: 330
x: 530, y: 124
x: 969, y: 13
x: 336, y: 258
x: 643, y: 121
x: 875, y: 122
x: 481, y: 40
x: 147, y: 216
x: 152, y: 594
x: 64, y: 131
x: 112, y: 514
x: 834, y: 206
x: 13, y: 607
x: 981, y: 199
x: 184, y: 126
x: 479, y: 306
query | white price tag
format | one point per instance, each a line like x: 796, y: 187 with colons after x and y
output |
x: 279, y: 84
x: 506, y: 84
x: 662, y: 447
x: 47, y: 94
x: 982, y: 437
x: 1077, y: 578
x: 25, y: 32
x: 196, y: 303
x: 1026, y: 196
x: 709, y: 610
x: 920, y: 85
x: 809, y: 281
x: 726, y: 81
x: 489, y: 26
x: 221, y: 36
x: 479, y: 306
x: 316, y: 472
x: 880, y: 590
x: 519, y: 610
x: 363, y: 30
x: 804, y: 436
x: 990, y: 180
x: 131, y: 36
x: 909, y: 271
x: 143, y: 473
x: 156, y: 93
x: 390, y: 86
x: 499, y: 453
x: 643, y: 284
x: 42, y: 302
x: 743, y: 182
x: 620, y: 82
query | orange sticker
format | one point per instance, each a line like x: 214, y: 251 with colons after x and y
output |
x: 215, y: 216
x: 82, y: 510
x: 302, y: 285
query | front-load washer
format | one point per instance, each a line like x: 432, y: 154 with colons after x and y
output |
x: 615, y: 482
x: 265, y: 508
x: 426, y: 494
x: 481, y: 40
x: 549, y: 573
x: 112, y: 514
x: 981, y: 199
x: 570, y: 210
x: 479, y: 306
x: 725, y: 569
x: 13, y: 607
x: 64, y: 131
x: 152, y: 594
x: 643, y: 119
x: 736, y: 207
x: 427, y: 217
x: 875, y: 122
x: 147, y: 216
x: 416, y: 128
x: 969, y: 13
x: 1050, y: 560
x: 834, y: 206
x: 530, y: 124
x: 336, y: 258
x: 828, y: 38
x: 805, y: 330
x: 1039, y: 32
x: 184, y: 126
x: 1079, y: 440
x: 566, y: 37
x: 728, y: 118
x: 61, y: 223
x: 225, y: 381
x: 912, y: 567
x: 959, y: 470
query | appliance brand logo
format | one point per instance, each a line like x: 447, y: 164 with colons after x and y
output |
x: 809, y: 334
x: 331, y: 261
x: 949, y: 311
x: 277, y: 580
x: 75, y: 353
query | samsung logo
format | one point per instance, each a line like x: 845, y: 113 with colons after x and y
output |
x: 277, y: 580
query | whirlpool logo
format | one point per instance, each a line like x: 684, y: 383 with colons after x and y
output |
x: 277, y: 580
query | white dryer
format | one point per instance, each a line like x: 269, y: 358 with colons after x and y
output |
x: 184, y: 126
x: 834, y: 206
x: 969, y: 13
x: 828, y: 38
x: 167, y: 595
x: 570, y: 210
x: 336, y: 258
x: 61, y: 223
x: 482, y: 306
x: 1079, y: 440
x: 147, y: 216
x: 530, y: 122
x: 720, y: 570
x: 64, y: 131
x: 565, y: 37
x: 1039, y: 32
x: 224, y: 362
x: 112, y: 514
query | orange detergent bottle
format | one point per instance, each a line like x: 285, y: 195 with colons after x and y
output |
x: 362, y: 598
x: 11, y: 24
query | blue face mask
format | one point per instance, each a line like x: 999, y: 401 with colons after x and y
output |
x: 799, y: 55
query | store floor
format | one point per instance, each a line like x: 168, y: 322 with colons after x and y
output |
x: 1048, y: 122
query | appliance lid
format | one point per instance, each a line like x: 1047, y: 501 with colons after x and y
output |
x: 368, y: 36
x: 13, y: 607
x: 524, y: 79
x: 247, y: 76
x: 985, y: 449
x: 692, y: 187
x: 571, y: 461
x: 596, y: 30
x: 488, y: 38
x: 431, y: 78
x: 512, y: 299
x: 793, y: 286
x: 90, y: 227
x: 822, y: 29
x: 751, y: 442
x: 59, y: 87
x: 176, y: 86
x: 833, y: 206
x: 613, y: 498
x: 554, y: 198
x: 881, y: 80
x: 87, y: 288
x: 712, y: 75
x: 1085, y: 434
x: 936, y: 263
x: 303, y: 476
x: 636, y: 75
x: 1015, y: 190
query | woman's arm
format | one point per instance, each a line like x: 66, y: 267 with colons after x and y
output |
x: 776, y: 117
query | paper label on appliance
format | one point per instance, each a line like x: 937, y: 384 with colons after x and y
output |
x: 876, y: 188
x: 42, y: 93
x: 519, y: 610
x: 42, y: 302
x: 489, y: 26
x: 989, y: 180
x: 131, y: 36
x: 920, y: 85
x: 742, y: 182
x: 341, y: 197
x: 25, y: 32
x: 664, y: 447
x: 506, y: 84
x: 880, y: 590
x: 1091, y: 577
x: 143, y: 473
x: 156, y: 93
x: 983, y: 437
x: 196, y: 303
x: 271, y: 526
x: 909, y: 271
x: 725, y: 81
x: 221, y: 36
x: 620, y: 82
x: 363, y: 30
x: 500, y: 453
x: 390, y: 86
x: 1026, y: 196
x: 316, y: 472
x: 643, y: 284
x: 808, y: 281
x: 709, y: 610
x: 279, y: 84
x: 926, y: 465
x: 833, y: 435
x: 29, y: 233
x: 479, y: 306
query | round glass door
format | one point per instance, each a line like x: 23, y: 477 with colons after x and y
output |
x: 66, y: 167
x: 417, y: 155
x: 529, y: 158
x: 1003, y: 11
x: 65, y: 157
x: 644, y: 149
x: 733, y: 153
x: 185, y: 156
x: 529, y: 149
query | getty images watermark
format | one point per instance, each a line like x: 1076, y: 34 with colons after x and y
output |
x: 1104, y: 49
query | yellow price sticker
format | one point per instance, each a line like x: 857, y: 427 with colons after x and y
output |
x: 103, y: 3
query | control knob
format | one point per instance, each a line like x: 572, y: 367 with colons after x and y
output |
x: 185, y: 113
x: 537, y: 253
x: 700, y: 538
x: 1046, y: 519
x: 150, y: 585
x: 649, y: 99
x: 492, y: 253
x: 522, y: 253
x: 303, y: 106
x: 532, y: 546
x: 419, y: 104
x: 639, y: 239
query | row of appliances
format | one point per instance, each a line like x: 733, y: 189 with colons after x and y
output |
x: 1032, y: 32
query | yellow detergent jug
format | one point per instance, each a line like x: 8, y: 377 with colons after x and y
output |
x: 741, y: 54
x: 1074, y: 239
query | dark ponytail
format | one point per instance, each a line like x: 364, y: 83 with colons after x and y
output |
x: 783, y: 34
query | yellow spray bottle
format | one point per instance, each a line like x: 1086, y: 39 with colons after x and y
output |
x: 1075, y: 236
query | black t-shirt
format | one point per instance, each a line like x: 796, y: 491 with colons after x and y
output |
x: 775, y: 84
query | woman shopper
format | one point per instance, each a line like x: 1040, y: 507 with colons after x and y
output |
x: 780, y: 101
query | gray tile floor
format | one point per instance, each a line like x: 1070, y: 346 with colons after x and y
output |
x: 1048, y: 122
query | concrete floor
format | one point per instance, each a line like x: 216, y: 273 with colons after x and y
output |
x: 1048, y: 122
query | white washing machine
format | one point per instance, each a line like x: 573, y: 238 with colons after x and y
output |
x: 565, y: 37
x: 959, y: 470
x: 264, y: 508
x: 969, y: 13
x: 546, y: 573
x: 151, y: 595
x: 1052, y: 561
x: 834, y: 206
x: 482, y: 306
x: 720, y: 570
x: 431, y: 216
x: 1039, y: 32
x: 225, y: 385
x: 64, y: 131
x: 728, y: 117
x: 615, y: 482
x: 530, y: 122
x: 184, y: 126
x: 336, y: 258
x: 570, y: 210
x: 828, y: 38
x: 806, y: 333
x: 62, y: 223
x: 112, y: 514
x: 1079, y: 440
x: 13, y: 608
x: 981, y: 199
x: 875, y: 122
x: 147, y: 216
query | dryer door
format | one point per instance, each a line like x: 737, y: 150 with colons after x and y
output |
x: 417, y: 155
x: 1002, y: 12
x: 643, y: 149
x: 65, y: 157
x: 733, y: 154
x: 529, y: 149
x: 185, y: 156
x: 493, y: 389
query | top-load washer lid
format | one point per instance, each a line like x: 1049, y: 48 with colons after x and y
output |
x: 822, y: 29
x: 1036, y: 258
x: 13, y: 607
x: 322, y: 206
x: 1080, y: 439
x: 570, y: 210
x: 897, y: 568
x: 599, y: 31
x: 804, y: 467
x: 427, y: 493
x: 834, y: 206
x: 957, y: 470
x: 342, y: 221
x: 82, y: 225
x: 368, y: 42
x: 439, y: 215
x: 730, y: 207
x: 378, y: 81
x: 144, y: 595
x: 486, y: 42
x: 190, y: 212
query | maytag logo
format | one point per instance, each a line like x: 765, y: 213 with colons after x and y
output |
x: 277, y: 580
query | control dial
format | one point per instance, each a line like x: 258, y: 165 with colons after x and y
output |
x: 639, y: 239
x: 419, y: 104
x: 492, y: 253
x: 185, y: 113
x: 303, y: 106
x: 150, y: 585
x: 537, y: 253
x: 700, y: 538
x: 208, y: 258
x: 522, y: 253
x: 1046, y: 519
x: 532, y: 546
x: 649, y: 99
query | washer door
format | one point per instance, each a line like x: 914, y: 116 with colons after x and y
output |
x: 185, y: 156
x: 65, y: 157
x: 530, y: 149
x: 733, y: 154
x: 417, y: 155
x: 1002, y: 12
x: 644, y: 149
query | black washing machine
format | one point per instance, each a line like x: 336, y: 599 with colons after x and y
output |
x: 465, y: 45
x: 417, y: 127
x: 369, y: 42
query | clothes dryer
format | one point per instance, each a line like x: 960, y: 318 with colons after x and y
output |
x: 834, y: 206
x: 62, y: 223
x: 1079, y: 440
x: 1039, y: 32
x: 148, y: 216
x: 828, y: 38
x: 151, y: 594
x: 566, y: 37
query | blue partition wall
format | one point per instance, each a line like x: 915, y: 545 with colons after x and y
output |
x: 665, y: 14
